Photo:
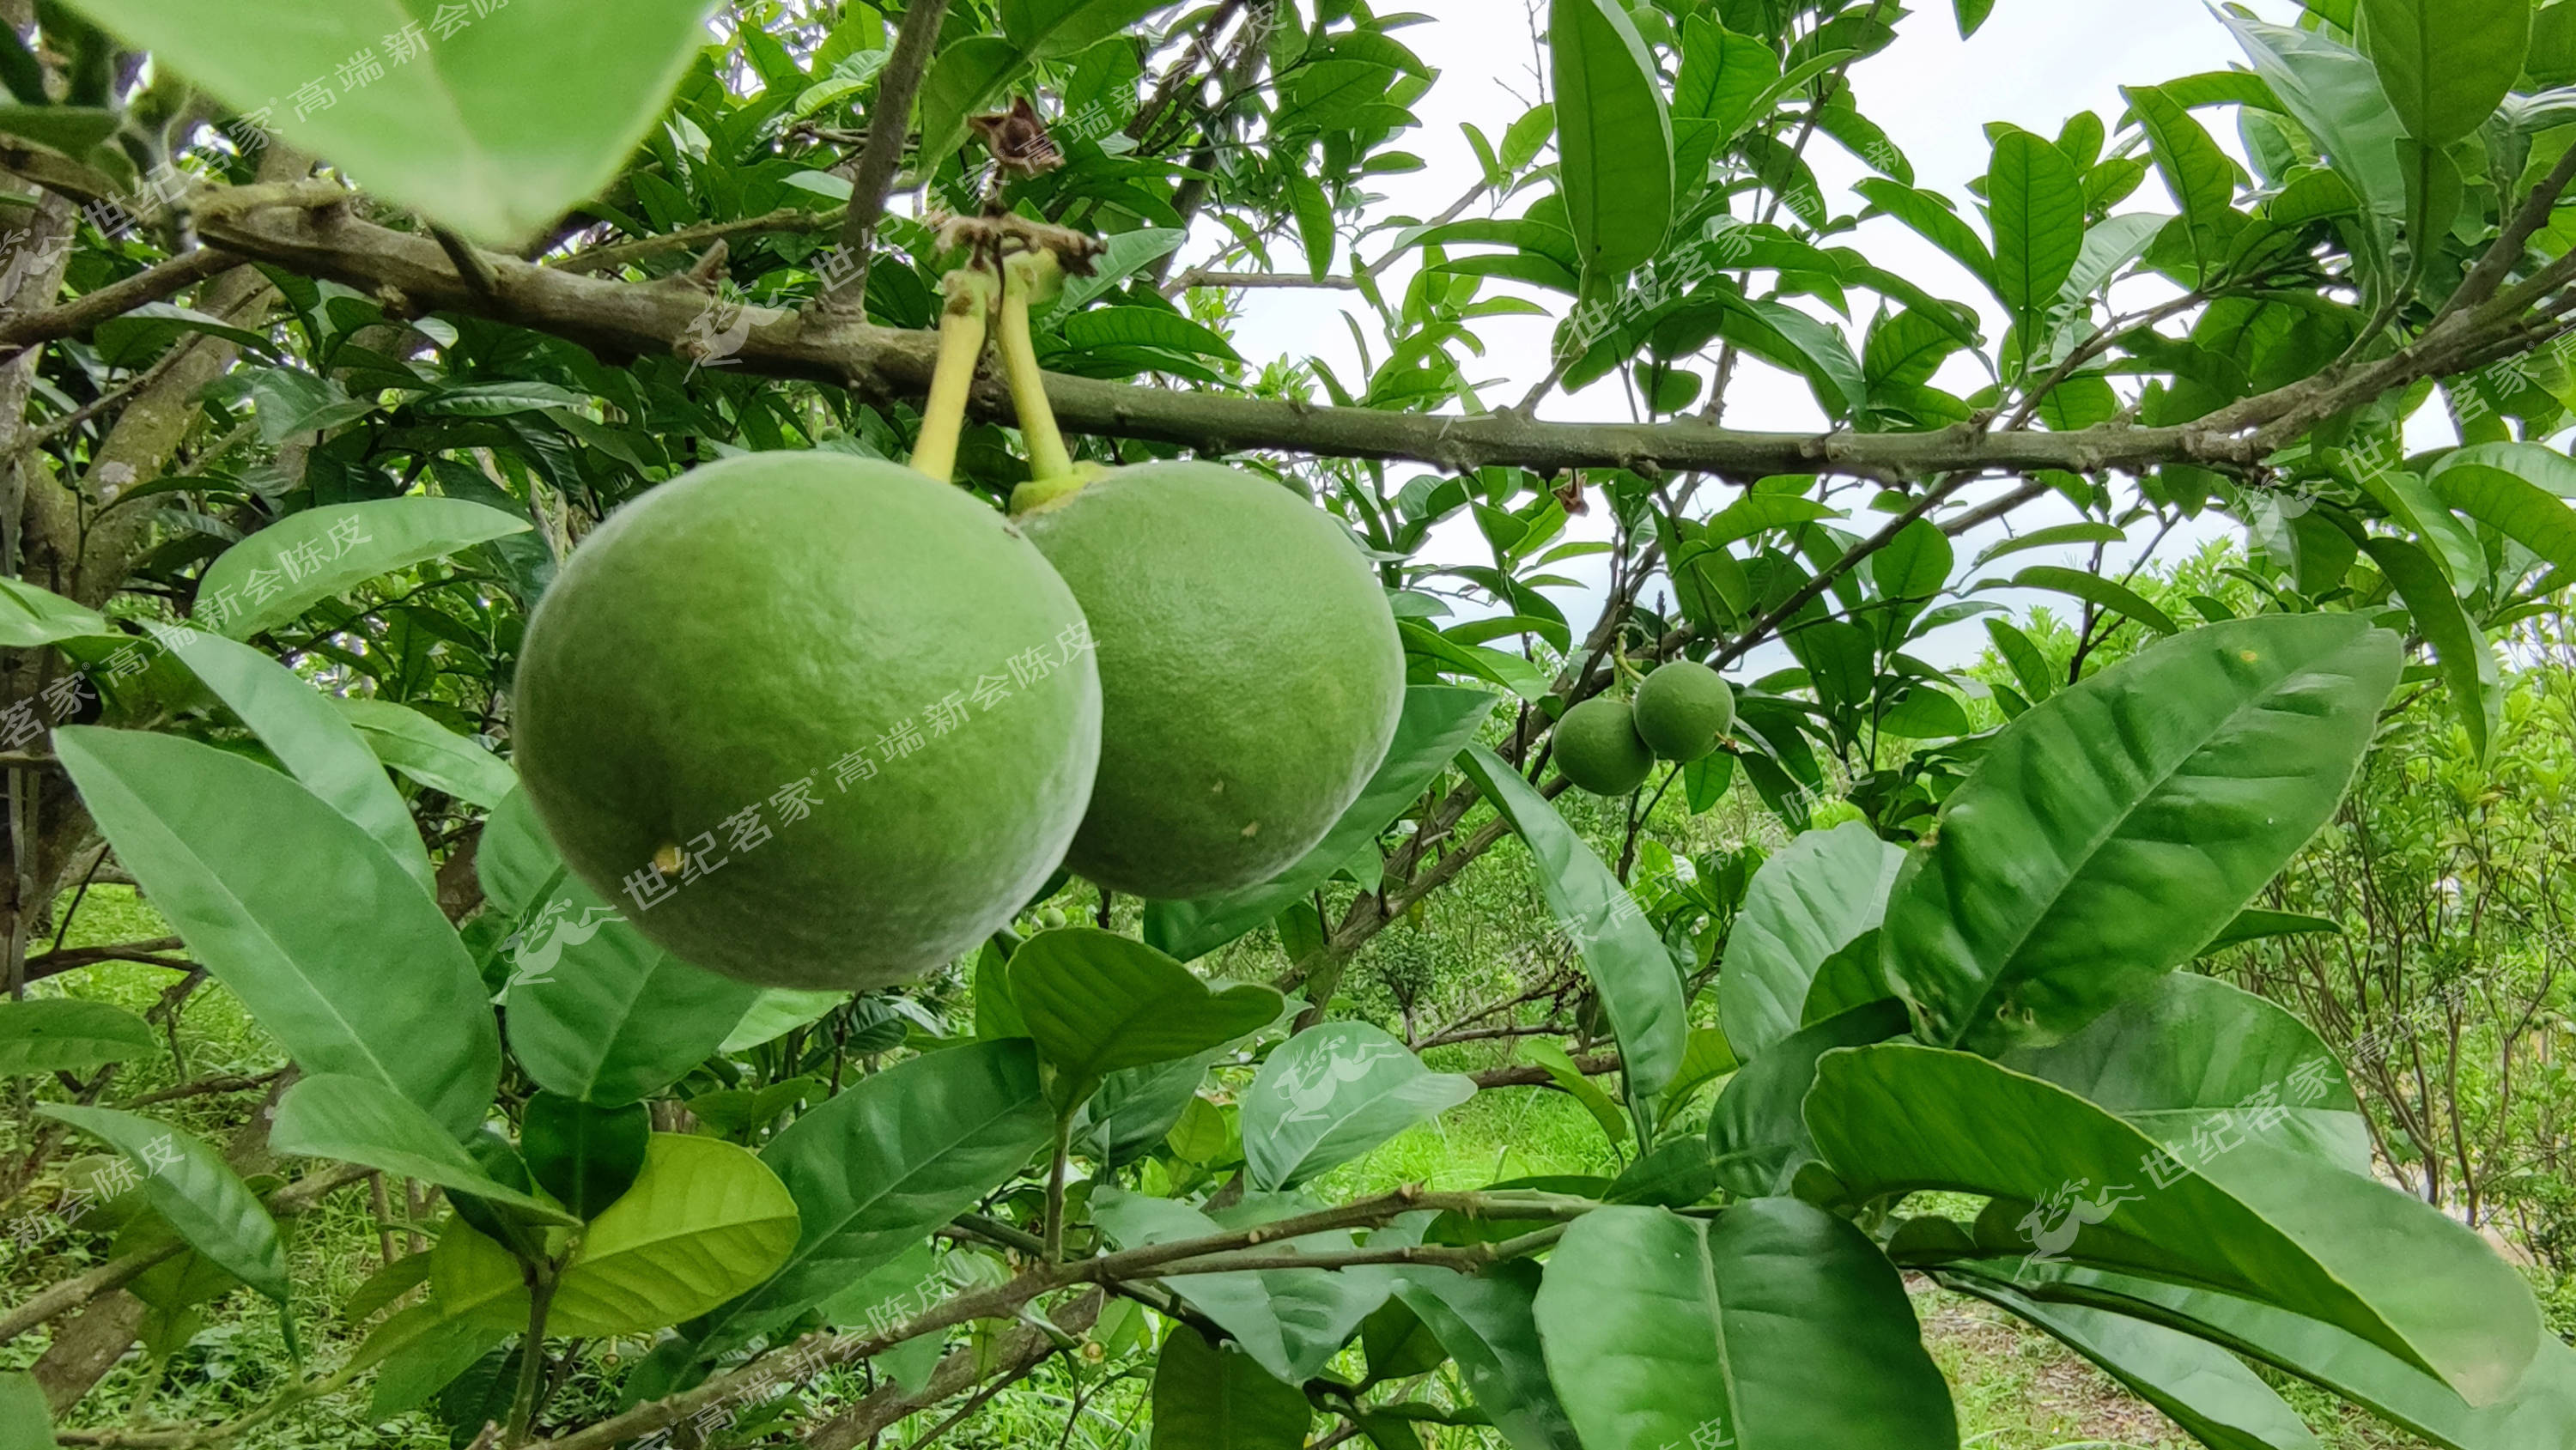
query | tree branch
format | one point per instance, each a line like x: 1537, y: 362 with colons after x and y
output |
x: 153, y: 284
x: 889, y: 124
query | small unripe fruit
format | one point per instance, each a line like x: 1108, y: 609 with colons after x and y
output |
x: 1597, y: 748
x: 1683, y: 710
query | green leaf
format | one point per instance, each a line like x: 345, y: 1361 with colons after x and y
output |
x: 430, y: 753
x: 1213, y: 1397
x: 2255, y: 924
x: 418, y: 1352
x: 704, y: 1221
x: 135, y: 338
x: 586, y: 1156
x: 474, y: 122
x: 26, y: 1421
x: 2114, y: 829
x: 2199, y: 1386
x: 30, y: 617
x: 1314, y: 222
x: 1710, y: 1057
x: 301, y: 560
x: 2201, y: 178
x: 1292, y: 1322
x: 1972, y: 15
x: 1097, y: 1002
x: 2469, y: 671
x: 2035, y: 201
x: 777, y: 1011
x: 2446, y: 64
x: 1932, y: 219
x: 308, y: 735
x: 299, y: 913
x: 2095, y: 590
x: 1110, y: 327
x: 2194, y: 1059
x: 596, y: 1011
x: 1628, y: 963
x: 967, y: 75
x: 360, y: 1121
x: 1755, y: 1134
x: 1487, y: 1324
x: 191, y: 1186
x: 62, y: 1034
x: 883, y: 1163
x: 1614, y: 137
x: 1731, y: 1325
x: 1438, y: 722
x: 2537, y: 1416
x: 75, y: 131
x: 1331, y: 1094
x: 1133, y: 1110
x: 1528, y: 136
x: 496, y: 400
x: 2251, y: 1220
x: 1811, y: 899
x: 2514, y: 507
x: 1561, y: 1070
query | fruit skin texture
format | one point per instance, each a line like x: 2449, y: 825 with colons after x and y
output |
x: 1250, y: 673
x: 1683, y: 710
x: 746, y: 628
x: 1597, y: 748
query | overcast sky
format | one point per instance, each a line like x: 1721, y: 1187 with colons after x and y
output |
x: 2035, y: 63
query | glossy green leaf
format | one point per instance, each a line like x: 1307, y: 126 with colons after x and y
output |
x: 1785, y: 1297
x: 2539, y: 1415
x: 1134, y: 1109
x: 2469, y: 671
x: 358, y: 1120
x: 1332, y: 1093
x: 299, y: 912
x: 308, y: 735
x: 2201, y: 178
x: 1487, y: 1323
x: 777, y: 1011
x: 30, y: 617
x: 1214, y: 1397
x: 63, y: 1034
x: 880, y: 1165
x: 1438, y: 722
x: 1096, y: 1003
x: 1931, y: 217
x: 2097, y: 591
x: 2514, y: 507
x: 2249, y: 1219
x: 2035, y: 201
x: 2199, y: 1386
x: 191, y: 1187
x: 1972, y: 15
x: 1627, y: 961
x: 596, y: 1012
x: 1614, y: 135
x: 1809, y: 901
x: 1570, y: 1079
x: 2446, y: 64
x: 1290, y: 1321
x: 1756, y: 1134
x: 430, y: 753
x: 2256, y: 924
x: 2334, y: 92
x: 704, y: 1221
x: 276, y: 574
x: 1049, y: 28
x: 586, y: 1156
x: 468, y: 116
x: 2192, y: 1059
x: 2113, y: 830
x: 26, y: 1421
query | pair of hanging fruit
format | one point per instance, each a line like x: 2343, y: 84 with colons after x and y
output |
x: 1680, y: 713
x: 824, y: 721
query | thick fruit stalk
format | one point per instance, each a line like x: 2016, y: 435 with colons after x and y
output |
x: 964, y: 322
x: 1029, y: 278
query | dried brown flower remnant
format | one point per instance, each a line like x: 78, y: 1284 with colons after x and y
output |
x: 1019, y: 141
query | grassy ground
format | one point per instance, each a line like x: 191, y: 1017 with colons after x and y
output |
x: 2015, y: 1389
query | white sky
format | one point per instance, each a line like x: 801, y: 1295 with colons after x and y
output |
x: 2035, y: 63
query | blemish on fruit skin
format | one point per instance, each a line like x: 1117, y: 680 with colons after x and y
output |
x: 666, y: 860
x: 1252, y: 830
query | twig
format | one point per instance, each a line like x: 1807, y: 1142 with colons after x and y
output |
x: 889, y: 123
x: 153, y: 284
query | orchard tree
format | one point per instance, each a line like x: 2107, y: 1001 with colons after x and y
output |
x: 746, y: 1043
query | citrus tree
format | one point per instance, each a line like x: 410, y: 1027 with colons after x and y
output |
x: 696, y: 947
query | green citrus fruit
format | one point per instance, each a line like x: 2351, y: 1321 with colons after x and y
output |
x: 848, y: 710
x: 1683, y: 710
x: 1250, y: 673
x: 1597, y: 748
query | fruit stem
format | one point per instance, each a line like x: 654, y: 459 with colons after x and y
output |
x: 1048, y: 457
x: 964, y: 322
